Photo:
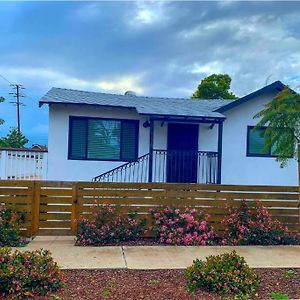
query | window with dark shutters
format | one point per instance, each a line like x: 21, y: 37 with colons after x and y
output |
x: 104, y: 139
x: 256, y: 143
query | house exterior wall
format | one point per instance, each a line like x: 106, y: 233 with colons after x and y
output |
x: 60, y: 168
x: 237, y: 168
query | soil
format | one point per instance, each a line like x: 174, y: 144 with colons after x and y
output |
x: 161, y: 285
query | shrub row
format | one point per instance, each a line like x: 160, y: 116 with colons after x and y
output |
x: 246, y: 225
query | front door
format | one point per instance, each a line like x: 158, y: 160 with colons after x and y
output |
x: 182, y: 155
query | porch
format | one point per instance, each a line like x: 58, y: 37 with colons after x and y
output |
x: 180, y: 158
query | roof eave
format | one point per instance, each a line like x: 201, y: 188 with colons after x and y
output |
x: 277, y: 85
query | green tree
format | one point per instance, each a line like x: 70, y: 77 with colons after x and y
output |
x: 282, y: 118
x: 14, y: 139
x: 215, y: 86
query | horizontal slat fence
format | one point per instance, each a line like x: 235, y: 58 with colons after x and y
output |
x: 52, y: 208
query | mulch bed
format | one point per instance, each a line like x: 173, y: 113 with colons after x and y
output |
x: 160, y: 284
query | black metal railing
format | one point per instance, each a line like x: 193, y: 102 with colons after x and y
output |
x: 167, y: 166
x: 184, y: 166
x: 135, y: 171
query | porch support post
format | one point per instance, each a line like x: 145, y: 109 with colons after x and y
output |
x: 151, y: 151
x: 220, y: 143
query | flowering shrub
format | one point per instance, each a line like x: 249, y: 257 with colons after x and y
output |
x: 107, y: 225
x: 24, y: 274
x: 9, y: 228
x: 225, y: 274
x: 254, y: 226
x: 187, y: 227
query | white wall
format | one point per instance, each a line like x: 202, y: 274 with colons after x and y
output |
x: 237, y: 168
x: 60, y: 168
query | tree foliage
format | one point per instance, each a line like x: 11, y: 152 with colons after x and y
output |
x: 14, y: 139
x: 282, y: 118
x: 215, y: 86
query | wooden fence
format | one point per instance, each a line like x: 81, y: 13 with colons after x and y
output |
x: 51, y: 208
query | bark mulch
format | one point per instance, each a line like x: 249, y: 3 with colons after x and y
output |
x: 161, y: 285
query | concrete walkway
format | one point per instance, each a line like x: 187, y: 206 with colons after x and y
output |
x: 69, y: 256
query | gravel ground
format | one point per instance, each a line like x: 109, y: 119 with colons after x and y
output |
x: 160, y: 285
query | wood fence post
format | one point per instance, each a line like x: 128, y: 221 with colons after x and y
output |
x: 35, y: 211
x: 74, y: 214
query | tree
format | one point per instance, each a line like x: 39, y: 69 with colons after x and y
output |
x: 215, y: 86
x: 14, y: 139
x: 282, y: 117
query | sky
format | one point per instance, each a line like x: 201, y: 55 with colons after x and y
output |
x: 153, y: 48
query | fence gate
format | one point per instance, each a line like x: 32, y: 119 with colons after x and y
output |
x: 52, y: 202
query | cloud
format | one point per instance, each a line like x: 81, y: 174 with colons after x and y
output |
x: 208, y: 68
x: 87, y: 12
x: 148, y: 13
x: 155, y: 48
x: 47, y: 78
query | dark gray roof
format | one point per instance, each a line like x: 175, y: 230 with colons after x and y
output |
x: 143, y: 105
x: 276, y: 86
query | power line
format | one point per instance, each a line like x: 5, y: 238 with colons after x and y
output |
x: 5, y: 79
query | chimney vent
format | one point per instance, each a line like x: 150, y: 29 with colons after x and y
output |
x: 130, y: 93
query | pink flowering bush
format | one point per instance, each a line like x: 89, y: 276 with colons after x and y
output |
x: 9, y: 228
x: 253, y: 225
x: 26, y: 274
x: 182, y: 227
x: 224, y: 274
x: 107, y: 225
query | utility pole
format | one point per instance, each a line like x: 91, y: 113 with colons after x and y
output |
x: 18, y: 95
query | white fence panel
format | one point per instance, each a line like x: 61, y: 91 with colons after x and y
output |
x: 23, y: 164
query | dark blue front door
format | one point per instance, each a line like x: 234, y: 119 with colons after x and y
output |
x: 182, y: 158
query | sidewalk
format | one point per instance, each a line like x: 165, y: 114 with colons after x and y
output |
x: 158, y: 257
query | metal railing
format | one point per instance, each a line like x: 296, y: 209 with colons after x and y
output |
x: 168, y: 166
x: 135, y: 171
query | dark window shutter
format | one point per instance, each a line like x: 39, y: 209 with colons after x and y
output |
x: 129, y: 140
x: 78, y: 138
x: 104, y: 139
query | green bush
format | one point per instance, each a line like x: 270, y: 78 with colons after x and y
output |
x: 25, y: 274
x: 107, y: 225
x: 9, y: 228
x: 225, y: 274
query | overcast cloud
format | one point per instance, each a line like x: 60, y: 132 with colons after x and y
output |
x: 153, y: 48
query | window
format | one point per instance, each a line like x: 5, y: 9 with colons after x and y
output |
x: 256, y: 143
x: 103, y: 139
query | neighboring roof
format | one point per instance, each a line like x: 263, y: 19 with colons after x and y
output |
x: 275, y: 86
x: 39, y: 147
x: 143, y: 105
x: 24, y: 149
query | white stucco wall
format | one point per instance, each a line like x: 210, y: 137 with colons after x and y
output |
x: 237, y: 168
x: 60, y: 168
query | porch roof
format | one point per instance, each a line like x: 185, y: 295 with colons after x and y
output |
x: 153, y: 106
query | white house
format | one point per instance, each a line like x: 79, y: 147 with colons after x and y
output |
x: 106, y: 137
